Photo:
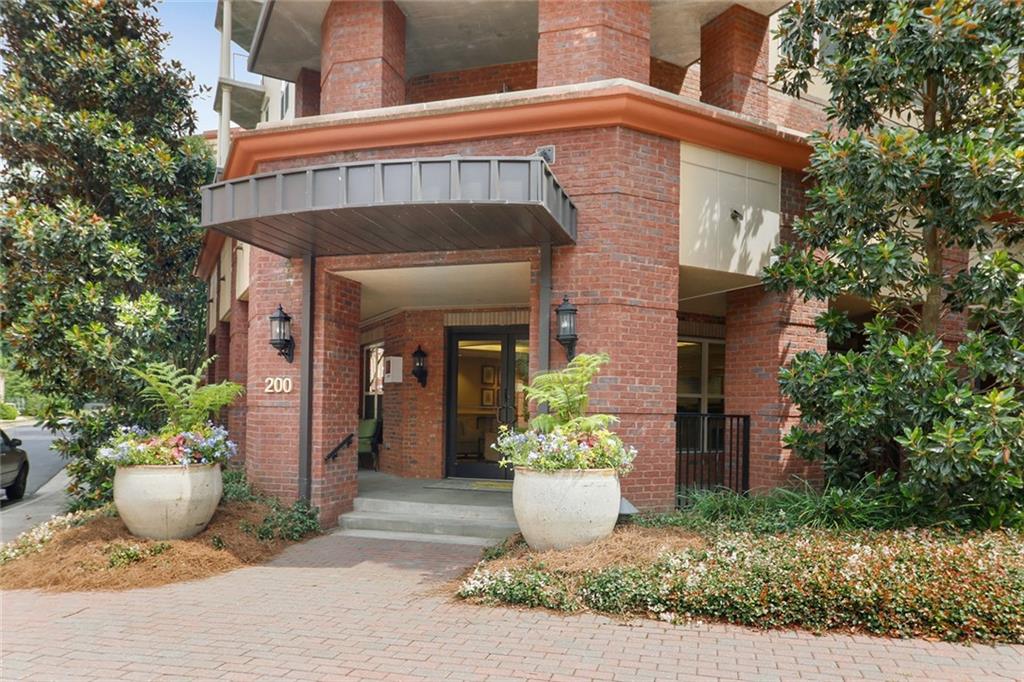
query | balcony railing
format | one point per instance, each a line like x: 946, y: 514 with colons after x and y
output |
x: 712, y: 451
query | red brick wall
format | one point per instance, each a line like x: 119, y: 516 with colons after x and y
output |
x: 307, y: 93
x: 484, y: 80
x: 590, y: 41
x: 222, y: 349
x: 762, y: 333
x: 362, y: 56
x: 336, y: 364
x: 414, y: 415
x: 679, y: 80
x: 734, y: 61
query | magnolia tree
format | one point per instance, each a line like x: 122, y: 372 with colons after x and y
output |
x: 98, y: 213
x: 921, y: 168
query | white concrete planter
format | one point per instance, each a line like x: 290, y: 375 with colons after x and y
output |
x: 167, y: 502
x: 561, y: 509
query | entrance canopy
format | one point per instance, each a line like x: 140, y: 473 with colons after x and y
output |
x: 424, y: 204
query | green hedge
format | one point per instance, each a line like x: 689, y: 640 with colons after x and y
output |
x: 898, y: 583
x: 8, y: 411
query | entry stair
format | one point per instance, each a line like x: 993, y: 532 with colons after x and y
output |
x: 420, y: 521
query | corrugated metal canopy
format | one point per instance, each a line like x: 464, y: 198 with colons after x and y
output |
x: 426, y: 204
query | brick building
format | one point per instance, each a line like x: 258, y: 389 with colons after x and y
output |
x: 444, y: 174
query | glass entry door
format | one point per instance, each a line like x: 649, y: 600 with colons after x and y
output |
x: 487, y: 372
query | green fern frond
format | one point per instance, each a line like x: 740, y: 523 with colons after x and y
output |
x: 179, y: 393
x: 566, y: 393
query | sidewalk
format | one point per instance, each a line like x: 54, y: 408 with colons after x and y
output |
x: 345, y: 608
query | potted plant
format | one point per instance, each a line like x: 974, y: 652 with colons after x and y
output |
x: 567, y: 464
x: 168, y: 483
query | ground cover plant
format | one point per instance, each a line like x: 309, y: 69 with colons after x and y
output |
x: 817, y: 560
x: 92, y: 550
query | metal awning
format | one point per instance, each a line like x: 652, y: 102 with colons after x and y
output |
x: 424, y: 204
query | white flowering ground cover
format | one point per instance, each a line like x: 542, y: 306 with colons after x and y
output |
x: 944, y: 585
x: 35, y: 539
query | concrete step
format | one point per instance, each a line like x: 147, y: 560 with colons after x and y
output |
x: 497, y: 514
x: 417, y: 537
x: 427, y: 524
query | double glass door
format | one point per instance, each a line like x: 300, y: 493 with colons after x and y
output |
x: 487, y: 374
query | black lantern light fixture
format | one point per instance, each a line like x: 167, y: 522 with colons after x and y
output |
x: 565, y: 313
x: 281, y: 334
x: 419, y: 365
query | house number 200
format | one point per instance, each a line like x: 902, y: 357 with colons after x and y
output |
x: 278, y: 385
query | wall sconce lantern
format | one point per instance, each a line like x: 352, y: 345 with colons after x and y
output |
x: 565, y: 313
x: 419, y: 365
x: 281, y: 334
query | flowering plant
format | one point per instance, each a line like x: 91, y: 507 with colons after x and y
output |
x: 561, y: 449
x: 207, y: 444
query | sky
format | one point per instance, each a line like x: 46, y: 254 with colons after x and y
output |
x: 196, y: 44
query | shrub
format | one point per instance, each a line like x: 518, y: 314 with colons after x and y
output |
x: 871, y: 503
x: 92, y: 477
x: 282, y: 523
x: 8, y: 411
x: 236, y: 487
x: 896, y: 583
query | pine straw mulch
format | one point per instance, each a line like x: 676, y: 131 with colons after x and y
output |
x: 629, y: 545
x: 79, y: 558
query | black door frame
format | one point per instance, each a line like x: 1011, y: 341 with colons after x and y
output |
x: 452, y: 336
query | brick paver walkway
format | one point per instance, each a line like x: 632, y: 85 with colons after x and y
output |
x: 345, y: 608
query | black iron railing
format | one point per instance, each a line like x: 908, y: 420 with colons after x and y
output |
x: 712, y: 451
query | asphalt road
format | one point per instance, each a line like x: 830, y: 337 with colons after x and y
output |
x: 43, y: 462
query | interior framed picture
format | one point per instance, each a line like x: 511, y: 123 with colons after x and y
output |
x: 488, y: 375
x: 487, y: 397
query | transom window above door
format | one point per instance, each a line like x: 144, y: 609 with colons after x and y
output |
x: 700, y: 376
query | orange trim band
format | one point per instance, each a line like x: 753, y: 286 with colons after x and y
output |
x: 616, y: 106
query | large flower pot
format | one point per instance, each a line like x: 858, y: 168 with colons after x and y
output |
x: 167, y: 502
x: 561, y: 509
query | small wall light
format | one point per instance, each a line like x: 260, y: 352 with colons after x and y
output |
x: 281, y: 334
x: 565, y: 313
x: 419, y: 365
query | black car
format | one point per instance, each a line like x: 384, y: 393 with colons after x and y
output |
x: 13, y: 467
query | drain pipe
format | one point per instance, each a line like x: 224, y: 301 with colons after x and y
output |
x: 306, y: 381
x: 544, y: 330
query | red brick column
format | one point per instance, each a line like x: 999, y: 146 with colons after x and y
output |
x: 734, y: 61
x: 307, y: 93
x: 362, y: 56
x: 272, y: 419
x: 336, y: 361
x: 238, y: 371
x: 623, y: 275
x: 594, y: 40
x: 762, y: 333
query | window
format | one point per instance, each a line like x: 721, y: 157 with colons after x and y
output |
x: 700, y: 377
x: 373, y: 381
